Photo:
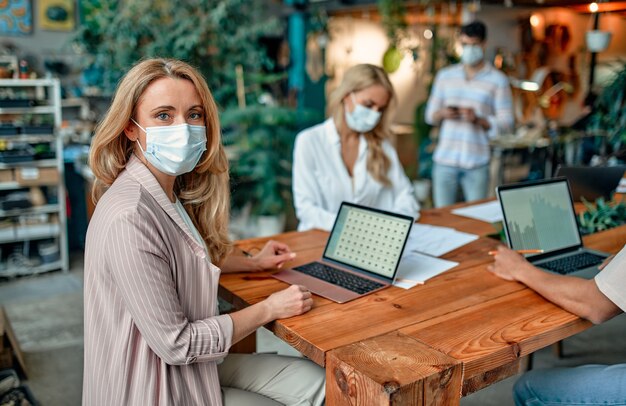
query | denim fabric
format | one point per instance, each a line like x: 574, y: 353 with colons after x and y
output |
x: 446, y: 181
x: 585, y: 385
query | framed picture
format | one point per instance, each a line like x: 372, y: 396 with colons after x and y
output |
x: 16, y: 17
x: 57, y: 15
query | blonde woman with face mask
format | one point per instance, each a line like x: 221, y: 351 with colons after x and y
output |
x: 153, y: 335
x: 348, y: 157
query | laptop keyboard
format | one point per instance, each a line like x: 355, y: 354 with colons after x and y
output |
x: 573, y: 263
x: 340, y: 278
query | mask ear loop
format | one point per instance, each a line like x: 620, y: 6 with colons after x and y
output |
x: 137, y: 124
x: 137, y: 140
x: 139, y: 144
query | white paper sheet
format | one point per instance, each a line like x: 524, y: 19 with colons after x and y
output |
x: 435, y: 240
x: 489, y: 212
x: 414, y: 269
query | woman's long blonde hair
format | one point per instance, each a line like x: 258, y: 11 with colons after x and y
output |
x: 355, y: 79
x: 204, y: 191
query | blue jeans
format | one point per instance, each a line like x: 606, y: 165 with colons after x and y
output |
x: 446, y: 180
x: 586, y: 385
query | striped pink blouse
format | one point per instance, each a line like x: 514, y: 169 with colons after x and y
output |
x: 153, y: 335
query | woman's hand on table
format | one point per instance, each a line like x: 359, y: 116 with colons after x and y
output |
x: 289, y: 302
x: 273, y: 256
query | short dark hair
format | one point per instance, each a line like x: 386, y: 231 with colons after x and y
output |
x: 475, y: 29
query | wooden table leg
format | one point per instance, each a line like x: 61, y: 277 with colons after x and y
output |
x: 392, y: 369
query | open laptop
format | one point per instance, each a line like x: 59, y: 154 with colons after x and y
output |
x: 540, y: 215
x: 591, y: 182
x: 361, y: 255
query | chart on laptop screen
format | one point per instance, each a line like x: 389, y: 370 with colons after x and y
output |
x: 368, y: 240
x: 540, y: 217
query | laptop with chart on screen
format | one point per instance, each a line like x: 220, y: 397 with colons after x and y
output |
x: 361, y: 255
x: 540, y: 216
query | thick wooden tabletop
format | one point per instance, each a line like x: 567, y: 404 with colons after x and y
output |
x: 430, y: 344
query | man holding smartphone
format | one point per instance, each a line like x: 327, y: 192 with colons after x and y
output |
x: 471, y: 103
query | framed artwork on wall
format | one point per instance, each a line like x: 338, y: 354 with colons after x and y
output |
x: 57, y: 15
x: 16, y: 17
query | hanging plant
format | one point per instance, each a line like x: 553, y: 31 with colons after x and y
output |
x: 393, y: 15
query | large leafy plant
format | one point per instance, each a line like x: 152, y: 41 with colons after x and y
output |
x: 261, y: 140
x: 214, y: 35
x: 609, y: 116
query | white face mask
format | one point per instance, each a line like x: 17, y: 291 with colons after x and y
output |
x: 174, y: 149
x: 472, y: 55
x: 362, y: 119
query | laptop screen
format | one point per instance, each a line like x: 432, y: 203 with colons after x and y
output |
x: 368, y: 239
x: 539, y: 216
x: 591, y: 182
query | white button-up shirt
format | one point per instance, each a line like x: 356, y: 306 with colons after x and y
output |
x: 321, y: 180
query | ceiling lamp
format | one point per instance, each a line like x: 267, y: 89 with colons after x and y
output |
x: 534, y: 20
x: 597, y: 40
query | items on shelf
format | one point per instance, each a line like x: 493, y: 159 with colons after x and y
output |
x: 24, y: 70
x: 8, y: 66
x: 33, y: 223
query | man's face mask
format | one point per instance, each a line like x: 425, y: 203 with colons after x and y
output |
x: 472, y: 55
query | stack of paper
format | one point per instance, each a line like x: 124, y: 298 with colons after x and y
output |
x: 415, y: 269
x: 436, y: 241
x: 491, y: 212
x: 424, y: 244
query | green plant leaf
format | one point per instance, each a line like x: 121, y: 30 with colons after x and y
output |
x: 601, y: 216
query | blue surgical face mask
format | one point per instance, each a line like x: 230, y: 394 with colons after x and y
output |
x: 472, y: 55
x: 361, y: 119
x: 174, y: 149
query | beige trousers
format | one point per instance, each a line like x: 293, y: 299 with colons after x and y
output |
x: 269, y: 379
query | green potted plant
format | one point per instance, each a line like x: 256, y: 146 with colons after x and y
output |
x: 260, y: 139
x: 601, y: 216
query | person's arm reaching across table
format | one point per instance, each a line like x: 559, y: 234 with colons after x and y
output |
x: 576, y: 295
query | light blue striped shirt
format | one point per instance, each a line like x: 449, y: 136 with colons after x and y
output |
x: 463, y: 144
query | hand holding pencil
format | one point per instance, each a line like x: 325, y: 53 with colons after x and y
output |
x: 510, y: 264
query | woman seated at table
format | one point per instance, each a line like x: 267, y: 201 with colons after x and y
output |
x: 348, y: 157
x: 153, y: 335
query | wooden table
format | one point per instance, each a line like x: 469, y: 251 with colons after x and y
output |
x: 461, y: 331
